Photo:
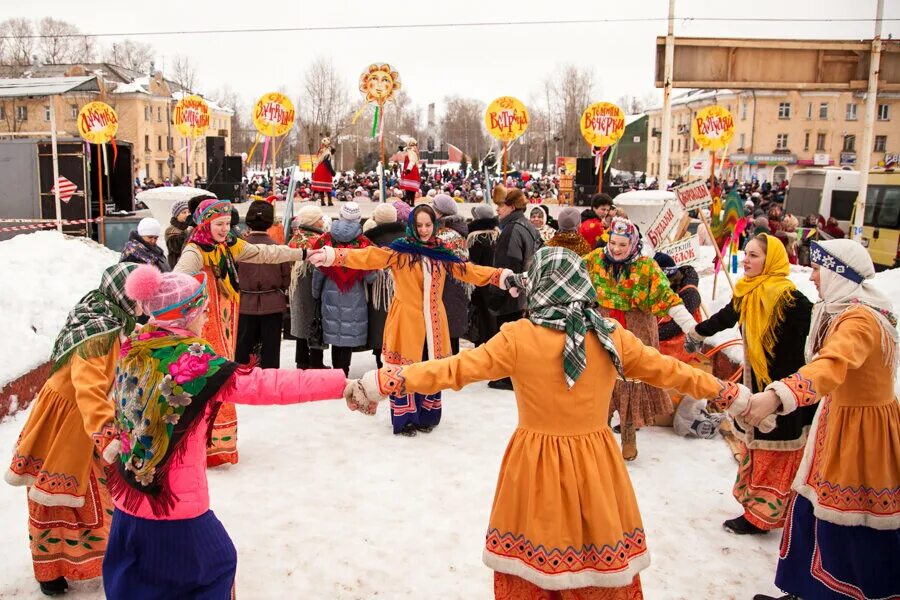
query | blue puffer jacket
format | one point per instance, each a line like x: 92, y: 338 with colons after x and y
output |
x: 345, y: 315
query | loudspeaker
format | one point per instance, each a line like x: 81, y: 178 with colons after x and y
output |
x: 234, y: 168
x: 215, y: 159
x: 228, y: 191
x: 584, y: 173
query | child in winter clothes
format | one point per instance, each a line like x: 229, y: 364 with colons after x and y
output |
x: 345, y: 314
x: 165, y: 542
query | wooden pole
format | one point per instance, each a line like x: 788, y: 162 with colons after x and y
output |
x: 55, y: 153
x: 503, y: 174
x: 100, y: 161
x: 600, y: 172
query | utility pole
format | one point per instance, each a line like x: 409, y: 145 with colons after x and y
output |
x: 666, y: 133
x: 871, y: 106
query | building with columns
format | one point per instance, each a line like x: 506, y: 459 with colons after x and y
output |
x: 777, y: 132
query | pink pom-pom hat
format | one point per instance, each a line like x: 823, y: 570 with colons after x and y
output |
x: 168, y: 296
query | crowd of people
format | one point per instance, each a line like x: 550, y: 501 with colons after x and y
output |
x: 570, y: 314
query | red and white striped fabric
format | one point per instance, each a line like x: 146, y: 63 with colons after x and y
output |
x: 67, y: 189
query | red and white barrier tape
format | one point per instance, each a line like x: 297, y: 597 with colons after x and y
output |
x: 42, y: 225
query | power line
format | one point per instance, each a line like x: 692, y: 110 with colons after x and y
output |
x: 455, y: 25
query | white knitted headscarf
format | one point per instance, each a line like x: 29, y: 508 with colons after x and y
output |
x: 839, y: 293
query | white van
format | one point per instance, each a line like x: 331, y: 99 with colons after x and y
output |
x: 829, y: 192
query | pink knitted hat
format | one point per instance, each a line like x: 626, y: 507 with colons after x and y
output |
x: 169, y: 298
x: 403, y: 210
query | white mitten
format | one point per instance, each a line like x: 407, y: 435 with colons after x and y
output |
x: 367, y: 394
x: 349, y: 394
x: 322, y: 257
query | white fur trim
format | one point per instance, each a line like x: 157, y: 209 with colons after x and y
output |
x: 829, y: 514
x: 112, y: 451
x: 787, y: 397
x: 369, y: 385
x: 13, y: 478
x: 45, y: 499
x: 740, y: 404
x: 503, y: 275
x: 330, y: 255
x: 683, y: 318
x: 567, y: 581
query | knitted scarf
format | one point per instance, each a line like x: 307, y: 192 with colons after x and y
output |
x: 343, y: 277
x: 302, y: 239
x: 94, y: 324
x: 219, y: 256
x: 561, y: 296
x: 163, y: 383
x: 761, y: 302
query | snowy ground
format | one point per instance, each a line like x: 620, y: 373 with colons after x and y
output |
x: 328, y: 504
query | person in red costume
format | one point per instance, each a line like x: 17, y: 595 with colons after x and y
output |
x: 323, y: 171
x: 409, y: 179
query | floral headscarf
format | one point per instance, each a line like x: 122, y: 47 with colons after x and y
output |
x: 433, y: 248
x: 219, y: 256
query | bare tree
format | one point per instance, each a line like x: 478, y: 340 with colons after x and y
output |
x: 242, y: 131
x: 84, y: 49
x: 8, y: 110
x: 323, y: 104
x: 56, y: 44
x: 570, y: 91
x: 136, y: 56
x: 19, y: 43
x: 462, y: 125
x: 184, y: 73
x: 632, y: 105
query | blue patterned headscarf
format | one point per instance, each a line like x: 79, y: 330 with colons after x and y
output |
x: 433, y: 248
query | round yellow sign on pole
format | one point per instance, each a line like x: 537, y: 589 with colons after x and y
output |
x: 273, y: 114
x: 506, y: 118
x: 191, y: 117
x: 602, y: 124
x: 713, y: 127
x: 97, y: 122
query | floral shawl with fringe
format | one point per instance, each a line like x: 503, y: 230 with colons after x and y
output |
x: 162, y: 385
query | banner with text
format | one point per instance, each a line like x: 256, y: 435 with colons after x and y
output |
x: 693, y: 195
x: 663, y: 224
x: 684, y: 251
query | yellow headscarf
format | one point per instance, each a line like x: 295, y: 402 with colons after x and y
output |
x: 761, y: 302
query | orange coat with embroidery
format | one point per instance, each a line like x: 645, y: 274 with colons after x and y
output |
x: 851, y: 465
x: 70, y: 420
x: 406, y: 332
x: 564, y: 514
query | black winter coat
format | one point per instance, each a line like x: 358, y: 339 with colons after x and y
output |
x: 482, y: 240
x: 455, y: 296
x: 518, y: 242
x: 787, y: 357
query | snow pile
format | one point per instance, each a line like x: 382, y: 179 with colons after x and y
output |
x: 47, y: 273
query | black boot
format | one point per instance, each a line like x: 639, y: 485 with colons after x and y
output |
x: 57, y: 587
x: 409, y: 430
x: 787, y: 597
x: 741, y: 526
x: 424, y: 428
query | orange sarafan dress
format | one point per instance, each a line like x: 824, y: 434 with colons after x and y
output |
x: 565, y: 521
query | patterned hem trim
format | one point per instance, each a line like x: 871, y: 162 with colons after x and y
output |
x: 394, y: 358
x: 25, y: 466
x: 878, y: 509
x: 495, y: 278
x: 103, y: 437
x: 567, y: 580
x: 391, y: 382
x: 817, y: 570
x: 54, y: 499
x: 410, y: 185
x: 551, y: 561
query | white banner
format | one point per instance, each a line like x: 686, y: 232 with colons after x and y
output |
x: 684, y: 251
x: 693, y: 195
x: 663, y: 224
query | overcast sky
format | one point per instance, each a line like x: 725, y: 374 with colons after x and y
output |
x: 481, y: 62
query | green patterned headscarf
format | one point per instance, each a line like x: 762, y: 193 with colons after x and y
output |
x: 561, y: 296
x: 95, y: 322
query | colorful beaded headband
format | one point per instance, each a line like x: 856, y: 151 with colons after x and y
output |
x: 621, y: 226
x: 822, y: 257
x: 221, y: 208
x: 183, y: 308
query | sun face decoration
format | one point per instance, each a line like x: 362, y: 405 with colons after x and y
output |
x: 379, y: 82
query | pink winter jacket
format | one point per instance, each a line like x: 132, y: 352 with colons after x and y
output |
x: 187, y: 474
